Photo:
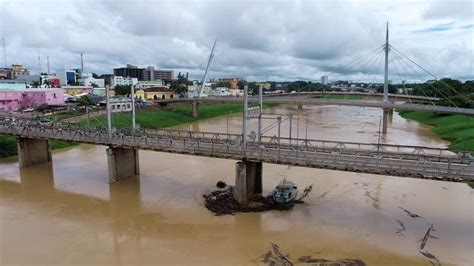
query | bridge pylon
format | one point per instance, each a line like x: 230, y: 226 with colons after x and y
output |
x: 248, y: 180
x: 196, y: 109
x: 122, y: 163
x: 33, y: 151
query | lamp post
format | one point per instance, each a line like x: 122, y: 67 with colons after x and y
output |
x: 378, y: 142
x: 132, y: 94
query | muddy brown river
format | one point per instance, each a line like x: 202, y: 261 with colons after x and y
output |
x: 67, y: 213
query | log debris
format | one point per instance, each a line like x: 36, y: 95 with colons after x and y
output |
x: 223, y: 202
x: 276, y: 256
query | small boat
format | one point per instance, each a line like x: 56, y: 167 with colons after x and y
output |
x: 285, y: 192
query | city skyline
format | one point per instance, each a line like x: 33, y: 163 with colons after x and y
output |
x: 257, y: 41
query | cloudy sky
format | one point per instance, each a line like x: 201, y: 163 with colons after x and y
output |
x: 257, y: 40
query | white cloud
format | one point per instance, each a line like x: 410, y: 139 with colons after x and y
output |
x: 283, y: 40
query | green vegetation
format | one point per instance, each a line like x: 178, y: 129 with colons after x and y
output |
x: 170, y: 117
x: 471, y: 183
x: 459, y: 129
x: 8, y: 145
x: 163, y: 118
x: 344, y: 97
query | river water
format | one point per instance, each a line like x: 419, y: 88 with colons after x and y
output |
x: 67, y: 213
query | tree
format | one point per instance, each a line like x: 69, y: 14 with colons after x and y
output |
x: 35, y: 84
x: 94, y: 75
x: 241, y: 84
x: 84, y: 101
x: 253, y: 88
x: 179, y: 86
x: 123, y: 89
x: 224, y: 84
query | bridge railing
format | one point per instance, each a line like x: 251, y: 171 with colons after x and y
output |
x: 312, y: 153
x: 327, y: 146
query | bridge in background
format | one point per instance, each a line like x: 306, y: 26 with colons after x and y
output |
x: 123, y: 160
x: 305, y: 100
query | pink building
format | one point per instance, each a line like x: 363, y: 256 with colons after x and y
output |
x: 30, y: 98
x: 10, y: 100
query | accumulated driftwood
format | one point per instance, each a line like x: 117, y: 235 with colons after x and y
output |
x: 276, y: 256
x: 222, y: 202
x: 402, y: 227
x: 433, y: 260
x: 427, y: 236
x: 411, y: 214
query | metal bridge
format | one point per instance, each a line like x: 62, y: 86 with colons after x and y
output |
x: 396, y: 160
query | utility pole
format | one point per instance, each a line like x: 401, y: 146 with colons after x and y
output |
x: 279, y: 135
x: 109, y: 122
x: 291, y: 125
x: 82, y: 65
x: 4, y: 53
x: 306, y: 132
x: 244, y: 122
x: 260, y: 101
x: 378, y: 141
x: 47, y: 62
x: 132, y: 95
x: 39, y: 64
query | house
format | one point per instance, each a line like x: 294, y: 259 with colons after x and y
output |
x: 11, y: 100
x: 74, y: 90
x: 155, y: 93
x: 120, y: 104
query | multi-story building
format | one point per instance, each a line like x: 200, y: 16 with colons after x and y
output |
x: 17, y: 70
x: 324, y: 80
x: 123, y: 81
x: 234, y: 82
x: 152, y: 74
x: 67, y: 76
x: 93, y: 82
x: 155, y: 93
x: 5, y: 73
x: 149, y: 84
x: 130, y: 71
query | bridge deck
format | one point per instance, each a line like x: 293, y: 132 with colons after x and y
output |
x: 342, y: 102
x: 409, y: 161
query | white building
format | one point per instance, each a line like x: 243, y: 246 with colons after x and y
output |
x: 324, y: 80
x: 120, y: 104
x: 90, y: 80
x: 121, y: 81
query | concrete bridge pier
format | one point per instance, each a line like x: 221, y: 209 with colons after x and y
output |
x: 122, y: 163
x: 387, y: 115
x: 33, y: 151
x: 248, y: 180
x: 196, y: 109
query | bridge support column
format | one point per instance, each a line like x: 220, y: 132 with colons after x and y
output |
x: 122, y: 163
x: 387, y: 114
x: 248, y: 180
x: 33, y: 151
x: 300, y: 106
x: 196, y: 109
